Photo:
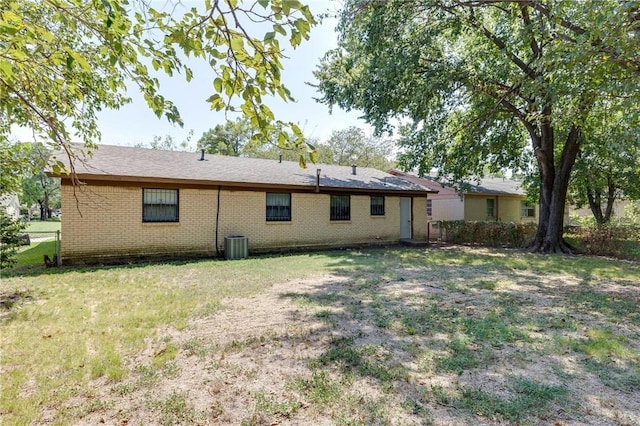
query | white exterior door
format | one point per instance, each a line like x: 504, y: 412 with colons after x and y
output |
x: 405, y: 218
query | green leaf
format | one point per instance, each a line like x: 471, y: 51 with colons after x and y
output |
x: 296, y: 39
x: 287, y: 5
x: 313, y: 156
x: 81, y: 61
x: 269, y: 36
x: 6, y: 70
x: 47, y: 35
x: 217, y: 84
x: 8, y: 15
x: 216, y: 102
x: 280, y: 29
x: 303, y: 26
x: 236, y: 43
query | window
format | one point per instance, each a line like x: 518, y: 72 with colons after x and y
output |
x: 377, y: 206
x: 527, y: 210
x: 159, y: 205
x: 491, y: 208
x: 429, y: 208
x: 340, y: 207
x: 278, y: 207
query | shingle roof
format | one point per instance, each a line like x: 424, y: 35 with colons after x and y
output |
x: 120, y: 163
x: 489, y: 186
x: 493, y: 185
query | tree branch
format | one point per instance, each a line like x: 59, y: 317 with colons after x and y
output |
x: 535, y: 47
x: 612, y: 52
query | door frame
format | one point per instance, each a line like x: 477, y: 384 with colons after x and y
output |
x: 407, y: 215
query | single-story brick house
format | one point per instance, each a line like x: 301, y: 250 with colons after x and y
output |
x: 143, y: 202
x: 490, y: 199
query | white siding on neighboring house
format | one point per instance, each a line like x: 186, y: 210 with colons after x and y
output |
x: 11, y: 205
x: 452, y: 209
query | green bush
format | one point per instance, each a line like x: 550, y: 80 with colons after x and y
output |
x: 493, y: 234
x: 10, y: 231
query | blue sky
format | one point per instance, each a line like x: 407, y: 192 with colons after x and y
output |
x: 135, y: 123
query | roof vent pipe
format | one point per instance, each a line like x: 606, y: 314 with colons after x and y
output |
x: 202, y: 154
x: 318, y: 180
x: 353, y: 169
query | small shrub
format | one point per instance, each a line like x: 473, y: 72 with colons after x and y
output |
x: 621, y: 241
x: 10, y: 231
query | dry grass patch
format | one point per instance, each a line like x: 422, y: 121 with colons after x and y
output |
x: 454, y: 336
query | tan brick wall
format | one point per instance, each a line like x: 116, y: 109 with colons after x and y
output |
x: 110, y: 222
x: 243, y: 213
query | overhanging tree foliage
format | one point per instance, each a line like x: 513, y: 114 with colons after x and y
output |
x: 487, y: 81
x: 62, y: 61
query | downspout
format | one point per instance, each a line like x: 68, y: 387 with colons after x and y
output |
x: 217, y: 221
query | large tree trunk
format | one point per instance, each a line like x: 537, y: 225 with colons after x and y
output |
x: 594, y: 198
x: 611, y: 197
x: 554, y: 182
x: 43, y: 211
x: 595, y: 201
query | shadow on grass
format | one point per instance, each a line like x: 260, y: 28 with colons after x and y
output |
x: 30, y: 261
x: 11, y: 298
x: 436, y: 329
x: 397, y: 319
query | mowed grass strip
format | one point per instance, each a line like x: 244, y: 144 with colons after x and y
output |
x: 488, y: 335
x: 35, y: 226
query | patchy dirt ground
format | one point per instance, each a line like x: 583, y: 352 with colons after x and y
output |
x: 406, y: 346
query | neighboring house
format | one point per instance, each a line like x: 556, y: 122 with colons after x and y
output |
x: 498, y: 199
x: 11, y: 205
x: 619, y: 207
x: 142, y: 202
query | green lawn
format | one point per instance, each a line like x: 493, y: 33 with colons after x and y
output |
x: 48, y: 226
x: 379, y: 336
x: 30, y: 259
